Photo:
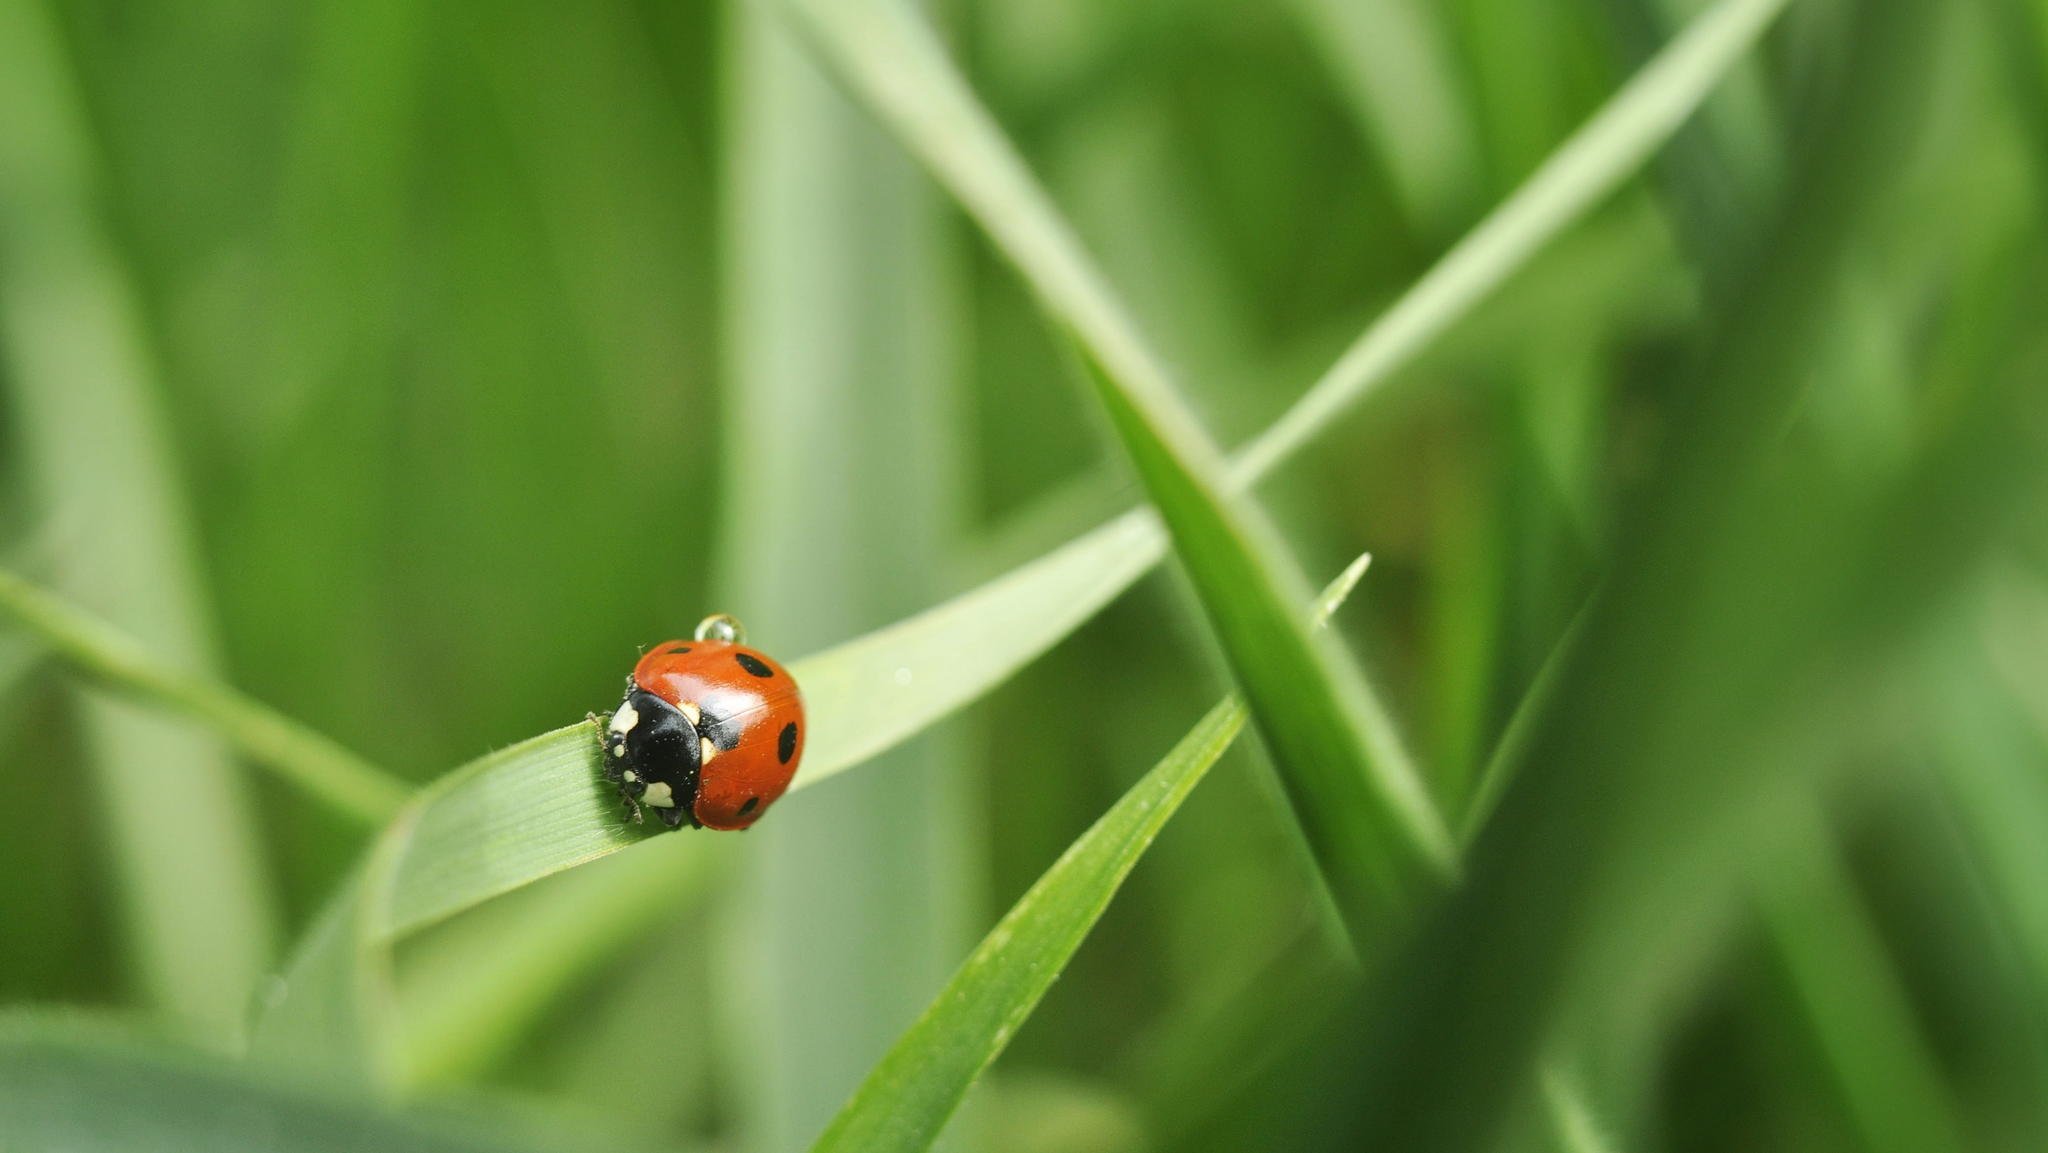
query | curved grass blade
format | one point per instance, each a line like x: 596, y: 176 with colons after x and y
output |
x: 117, y: 661
x: 1377, y: 837
x: 80, y: 1086
x: 908, y: 1097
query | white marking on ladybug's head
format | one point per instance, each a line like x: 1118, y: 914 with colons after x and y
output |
x: 659, y: 795
x: 706, y: 750
x: 691, y: 711
x: 624, y: 720
x: 629, y: 776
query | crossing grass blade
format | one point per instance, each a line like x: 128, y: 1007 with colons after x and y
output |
x: 113, y: 659
x: 907, y: 1098
x: 1377, y: 837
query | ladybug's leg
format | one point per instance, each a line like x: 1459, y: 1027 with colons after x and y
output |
x: 674, y: 816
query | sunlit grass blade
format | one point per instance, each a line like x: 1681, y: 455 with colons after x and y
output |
x: 1571, y: 1119
x: 116, y: 661
x: 77, y: 1085
x: 908, y: 1097
x: 830, y: 230
x: 86, y: 416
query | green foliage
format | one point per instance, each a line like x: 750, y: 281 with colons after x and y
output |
x: 406, y: 366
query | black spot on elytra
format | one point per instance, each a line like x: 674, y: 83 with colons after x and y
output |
x: 785, y: 745
x: 679, y: 650
x: 752, y: 664
x: 749, y: 806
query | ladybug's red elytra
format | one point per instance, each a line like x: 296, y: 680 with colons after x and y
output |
x: 710, y: 732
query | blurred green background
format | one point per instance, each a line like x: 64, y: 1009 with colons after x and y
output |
x: 410, y: 365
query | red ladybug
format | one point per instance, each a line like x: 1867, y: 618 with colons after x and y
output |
x: 710, y: 732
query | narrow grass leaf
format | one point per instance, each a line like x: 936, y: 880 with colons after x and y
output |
x: 908, y: 1097
x: 116, y: 661
x: 1354, y: 790
x: 1855, y: 1003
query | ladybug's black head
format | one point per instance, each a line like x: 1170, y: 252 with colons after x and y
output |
x: 654, y: 752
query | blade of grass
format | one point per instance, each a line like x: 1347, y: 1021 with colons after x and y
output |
x: 1377, y: 837
x: 1572, y: 1121
x: 116, y: 661
x: 1846, y: 981
x: 831, y: 232
x: 909, y: 1095
x: 189, y: 867
x: 1392, y: 59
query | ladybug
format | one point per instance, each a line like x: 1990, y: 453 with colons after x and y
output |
x: 710, y: 732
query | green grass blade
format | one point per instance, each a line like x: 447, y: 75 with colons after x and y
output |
x: 1394, y: 60
x: 908, y: 1097
x: 114, y: 660
x: 1376, y: 835
x: 1571, y: 1120
x: 96, y: 454
x: 1855, y: 1003
x: 79, y: 1086
x: 830, y: 231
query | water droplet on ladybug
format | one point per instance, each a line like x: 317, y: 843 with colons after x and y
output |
x: 722, y: 627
